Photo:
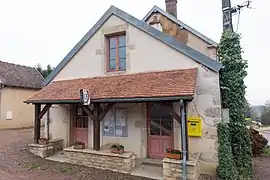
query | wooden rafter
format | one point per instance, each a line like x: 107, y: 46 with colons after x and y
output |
x: 44, y: 110
x: 89, y: 113
x: 101, y: 115
x: 170, y: 110
x: 105, y: 111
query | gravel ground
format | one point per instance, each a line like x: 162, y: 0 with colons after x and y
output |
x: 261, y: 166
x: 16, y: 163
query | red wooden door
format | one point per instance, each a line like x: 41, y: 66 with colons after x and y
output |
x: 81, y: 127
x: 160, y: 131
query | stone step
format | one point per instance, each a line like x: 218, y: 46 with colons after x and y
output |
x: 152, y: 162
x: 191, y: 169
x: 178, y: 168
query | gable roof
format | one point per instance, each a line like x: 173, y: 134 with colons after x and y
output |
x: 180, y: 23
x: 170, y: 41
x: 159, y: 84
x: 20, y: 76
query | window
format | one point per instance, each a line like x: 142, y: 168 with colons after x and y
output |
x: 115, y: 123
x: 116, y: 53
x: 81, y: 118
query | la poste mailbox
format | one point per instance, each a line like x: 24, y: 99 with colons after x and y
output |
x: 194, y: 126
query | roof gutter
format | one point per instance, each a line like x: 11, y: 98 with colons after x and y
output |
x: 113, y: 100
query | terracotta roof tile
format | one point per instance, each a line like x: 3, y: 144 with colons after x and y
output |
x: 151, y: 84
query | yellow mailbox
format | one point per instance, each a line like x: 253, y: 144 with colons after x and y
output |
x: 195, y: 126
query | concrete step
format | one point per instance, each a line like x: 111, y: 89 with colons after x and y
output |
x: 152, y: 162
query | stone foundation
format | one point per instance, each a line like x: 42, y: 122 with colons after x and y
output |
x: 172, y: 169
x: 46, y: 150
x: 58, y: 145
x: 41, y: 150
x: 103, y: 159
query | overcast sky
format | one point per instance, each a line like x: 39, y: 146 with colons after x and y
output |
x: 44, y: 31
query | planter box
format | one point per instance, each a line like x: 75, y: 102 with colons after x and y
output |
x: 81, y: 146
x: 174, y: 156
x: 43, y: 142
x: 114, y: 150
x: 121, y: 151
x: 117, y: 151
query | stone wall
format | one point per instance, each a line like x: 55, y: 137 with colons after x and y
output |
x: 101, y: 159
x: 172, y: 169
x: 46, y: 150
x: 41, y: 150
x: 58, y: 145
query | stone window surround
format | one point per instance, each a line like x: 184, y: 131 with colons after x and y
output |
x: 125, y: 27
x: 117, y: 36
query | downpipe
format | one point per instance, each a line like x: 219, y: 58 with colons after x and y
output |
x: 183, y: 139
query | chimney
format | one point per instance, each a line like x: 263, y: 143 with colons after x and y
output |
x: 171, y: 7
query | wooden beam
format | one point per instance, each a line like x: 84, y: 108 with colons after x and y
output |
x: 105, y: 111
x: 89, y: 113
x: 37, y: 123
x: 170, y: 110
x: 96, y: 126
x: 44, y: 110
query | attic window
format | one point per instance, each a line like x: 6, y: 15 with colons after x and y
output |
x: 116, y: 52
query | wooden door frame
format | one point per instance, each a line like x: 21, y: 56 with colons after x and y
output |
x: 73, y: 124
x: 148, y: 127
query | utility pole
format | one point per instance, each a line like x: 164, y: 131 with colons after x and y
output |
x: 228, y: 11
x: 227, y: 15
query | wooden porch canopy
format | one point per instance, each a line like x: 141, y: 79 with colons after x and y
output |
x: 141, y: 87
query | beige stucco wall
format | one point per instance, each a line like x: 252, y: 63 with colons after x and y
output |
x: 12, y: 101
x: 59, y: 126
x: 136, y: 140
x: 149, y: 54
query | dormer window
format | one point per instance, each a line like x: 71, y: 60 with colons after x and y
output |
x: 116, y: 52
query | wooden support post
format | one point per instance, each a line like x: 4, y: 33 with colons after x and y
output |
x: 96, y: 136
x: 37, y: 123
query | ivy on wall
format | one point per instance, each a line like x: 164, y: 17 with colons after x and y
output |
x: 233, y: 97
x: 226, y: 169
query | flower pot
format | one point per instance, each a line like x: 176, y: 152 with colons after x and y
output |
x: 173, y: 156
x: 121, y: 151
x: 114, y: 150
x: 79, y: 146
x: 43, y: 142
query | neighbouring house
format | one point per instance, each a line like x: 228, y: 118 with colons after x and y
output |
x: 16, y: 84
x: 144, y: 78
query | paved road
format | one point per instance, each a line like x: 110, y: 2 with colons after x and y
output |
x: 266, y: 134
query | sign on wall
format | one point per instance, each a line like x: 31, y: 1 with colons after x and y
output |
x: 85, y: 97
